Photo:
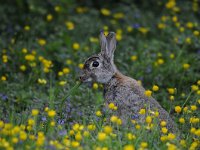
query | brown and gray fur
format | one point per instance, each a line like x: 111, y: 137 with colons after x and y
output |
x: 119, y: 89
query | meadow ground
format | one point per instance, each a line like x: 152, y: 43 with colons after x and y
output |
x: 43, y: 46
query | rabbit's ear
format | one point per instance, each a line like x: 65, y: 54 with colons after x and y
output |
x: 103, y: 42
x: 108, y: 45
x: 111, y: 44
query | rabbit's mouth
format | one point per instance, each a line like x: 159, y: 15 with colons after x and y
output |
x: 83, y: 78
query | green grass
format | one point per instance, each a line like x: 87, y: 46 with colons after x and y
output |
x: 43, y: 47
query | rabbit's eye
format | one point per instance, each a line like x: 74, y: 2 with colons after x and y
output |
x: 95, y: 64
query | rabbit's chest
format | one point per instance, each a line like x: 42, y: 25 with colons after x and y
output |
x: 122, y: 97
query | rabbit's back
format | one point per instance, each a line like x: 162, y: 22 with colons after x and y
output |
x: 129, y: 97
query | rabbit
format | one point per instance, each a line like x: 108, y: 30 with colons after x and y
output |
x: 126, y: 93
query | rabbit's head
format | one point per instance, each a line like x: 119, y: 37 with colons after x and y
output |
x: 100, y: 67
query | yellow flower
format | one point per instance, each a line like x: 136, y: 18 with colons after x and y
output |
x: 164, y: 18
x: 106, y: 33
x: 148, y: 93
x: 101, y: 136
x: 172, y: 56
x: 130, y: 136
x: 192, y: 130
x: 27, y: 28
x: 3, y: 78
x: 198, y: 92
x: 148, y: 119
x: 119, y: 121
x: 86, y: 133
x: 196, y: 33
x: 105, y: 12
x: 161, y: 26
x: 160, y: 61
x: 171, y: 90
x: 144, y: 144
x: 76, y: 127
x: 182, y: 29
x: 81, y: 66
x: 155, y: 88
x: 81, y: 10
x: 174, y: 18
x: 14, y: 140
x: 22, y: 67
x: 118, y: 37
x: 49, y: 17
x: 129, y: 29
x: 143, y: 30
x: 98, y: 113
x: 194, y: 145
x: 163, y: 138
x: 107, y: 129
x: 42, y: 81
x: 22, y: 127
x: 60, y: 73
x: 91, y: 127
x: 128, y: 147
x: 159, y: 54
x: 29, y: 127
x: 171, y: 146
x: 40, y: 139
x: 1, y: 124
x: 42, y: 42
x: 185, y: 109
x: 30, y: 57
x: 51, y: 113
x: 5, y: 58
x: 163, y: 123
x: 183, y: 143
x: 133, y: 57
x: 35, y: 112
x: 52, y: 123
x: 69, y: 25
x: 186, y: 66
x: 188, y: 40
x: 178, y: 109
x: 171, y: 97
x: 57, y: 8
x: 137, y: 126
x: 157, y: 114
x: 71, y: 132
x: 193, y: 107
x: 170, y: 4
x: 142, y: 111
x: 182, y: 120
x: 31, y: 122
x: 194, y: 87
x: 118, y: 15
x: 164, y: 130
x: 78, y: 137
x: 171, y: 136
x: 105, y: 28
x: 95, y: 86
x: 197, y: 132
x: 69, y: 61
x: 62, y: 83
x: 94, y: 40
x: 114, y: 119
x: 75, y: 144
x: 76, y: 46
x: 32, y: 137
x: 112, y: 106
x: 22, y: 135
x: 189, y: 25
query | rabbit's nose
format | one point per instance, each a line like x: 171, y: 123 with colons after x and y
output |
x: 81, y: 78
